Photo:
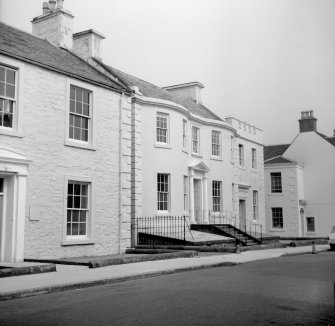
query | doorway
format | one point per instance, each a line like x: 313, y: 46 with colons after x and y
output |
x: 197, y: 200
x: 242, y: 213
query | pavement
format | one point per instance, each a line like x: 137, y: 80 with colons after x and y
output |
x: 70, y: 277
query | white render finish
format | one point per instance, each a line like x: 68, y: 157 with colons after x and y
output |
x: 308, y: 187
x: 317, y: 156
x: 43, y: 114
x: 201, y: 169
x: 292, y: 187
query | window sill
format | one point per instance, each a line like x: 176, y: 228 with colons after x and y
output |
x: 77, y: 242
x: 311, y: 233
x: 276, y: 194
x: 11, y: 132
x: 277, y: 230
x: 185, y: 151
x: 196, y: 155
x: 163, y: 213
x: 216, y: 158
x: 241, y: 167
x: 254, y: 170
x: 79, y: 145
x: 161, y: 145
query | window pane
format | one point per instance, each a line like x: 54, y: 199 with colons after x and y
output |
x: 77, y: 121
x: 86, y: 110
x: 2, y: 74
x: 84, y: 190
x: 79, y: 107
x: 71, y: 132
x: 68, y: 229
x: 83, y: 216
x: 82, y: 229
x: 76, y: 133
x: 83, y: 202
x: 10, y: 77
x: 10, y: 91
x: 75, y: 228
x: 2, y: 89
x: 69, y: 201
x: 79, y: 95
x: 75, y: 216
x: 86, y: 97
x: 68, y: 216
x: 84, y: 135
x: 72, y: 106
x: 76, y: 189
x: 70, y: 188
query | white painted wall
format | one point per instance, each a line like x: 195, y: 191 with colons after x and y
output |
x: 42, y: 106
x: 291, y: 175
x: 318, y: 158
x: 172, y: 159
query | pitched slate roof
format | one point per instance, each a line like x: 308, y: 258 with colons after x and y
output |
x: 29, y: 48
x: 272, y: 151
x: 329, y: 139
x: 150, y: 90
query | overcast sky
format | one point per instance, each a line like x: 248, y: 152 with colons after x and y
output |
x: 262, y: 61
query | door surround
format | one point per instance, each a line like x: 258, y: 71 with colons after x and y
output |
x: 14, y: 171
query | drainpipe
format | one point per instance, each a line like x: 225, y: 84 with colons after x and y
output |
x: 120, y: 172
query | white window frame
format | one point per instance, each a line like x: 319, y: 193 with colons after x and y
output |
x: 91, y: 143
x: 255, y: 205
x: 89, y: 237
x: 198, y: 134
x: 17, y: 129
x: 216, y: 195
x: 278, y: 217
x: 241, y: 155
x: 166, y: 193
x: 185, y: 188
x: 216, y: 147
x: 254, y: 158
x: 184, y: 135
x: 167, y: 117
x: 275, y: 188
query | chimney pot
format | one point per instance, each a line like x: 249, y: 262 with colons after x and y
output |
x: 60, y: 4
x: 45, y: 8
x: 52, y: 5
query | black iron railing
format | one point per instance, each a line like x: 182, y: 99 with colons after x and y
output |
x: 226, y: 217
x: 165, y: 229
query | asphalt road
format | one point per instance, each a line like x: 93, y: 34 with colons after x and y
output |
x: 291, y: 290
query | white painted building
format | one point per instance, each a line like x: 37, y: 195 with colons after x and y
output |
x: 85, y: 147
x: 300, y: 183
x: 189, y: 161
x: 65, y: 167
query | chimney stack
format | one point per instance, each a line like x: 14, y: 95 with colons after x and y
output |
x: 55, y: 24
x: 87, y: 44
x: 307, y: 122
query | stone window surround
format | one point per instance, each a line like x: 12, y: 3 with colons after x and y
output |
x: 17, y: 130
x: 91, y: 144
x: 89, y: 238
